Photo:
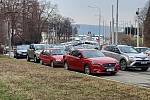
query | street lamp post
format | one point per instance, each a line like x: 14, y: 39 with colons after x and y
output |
x: 116, y: 42
x: 138, y: 27
x: 99, y: 23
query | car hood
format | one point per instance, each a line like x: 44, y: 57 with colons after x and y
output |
x: 103, y: 60
x: 21, y: 50
x: 136, y: 55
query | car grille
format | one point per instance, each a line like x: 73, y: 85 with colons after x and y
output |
x: 139, y: 64
x: 142, y: 60
x: 109, y: 65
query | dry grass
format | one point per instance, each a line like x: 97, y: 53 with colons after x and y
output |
x: 36, y: 82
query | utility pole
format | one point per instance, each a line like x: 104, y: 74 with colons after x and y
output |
x: 138, y: 27
x: 103, y: 32
x: 110, y: 32
x: 113, y: 40
x: 116, y: 42
x: 99, y: 27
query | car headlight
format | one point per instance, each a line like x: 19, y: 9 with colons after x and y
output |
x: 131, y: 58
x: 19, y: 52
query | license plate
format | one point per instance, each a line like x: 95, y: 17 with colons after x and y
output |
x: 24, y: 54
x: 110, y: 69
x: 143, y: 62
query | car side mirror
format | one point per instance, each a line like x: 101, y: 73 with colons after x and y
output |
x: 117, y: 51
x: 80, y: 56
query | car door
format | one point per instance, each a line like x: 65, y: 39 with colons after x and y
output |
x: 77, y: 62
x: 47, y: 56
x: 32, y: 50
x: 43, y: 56
x: 116, y: 53
x: 108, y: 51
x: 70, y: 59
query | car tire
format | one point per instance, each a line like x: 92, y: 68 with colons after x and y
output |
x: 144, y: 68
x: 36, y: 60
x: 87, y: 70
x: 17, y: 56
x: 66, y: 67
x: 41, y: 62
x: 52, y: 64
x: 28, y: 58
x: 123, y: 65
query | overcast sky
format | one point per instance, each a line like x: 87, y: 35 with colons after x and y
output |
x: 82, y: 14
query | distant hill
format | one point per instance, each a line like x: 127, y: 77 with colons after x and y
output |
x: 94, y: 29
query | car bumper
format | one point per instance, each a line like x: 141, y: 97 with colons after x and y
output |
x: 104, y: 71
x: 139, y: 64
x: 21, y: 55
x: 58, y: 63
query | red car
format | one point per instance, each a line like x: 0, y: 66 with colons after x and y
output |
x: 52, y: 57
x: 90, y: 61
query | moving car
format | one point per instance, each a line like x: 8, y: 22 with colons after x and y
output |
x: 90, y: 61
x: 52, y: 57
x: 34, y: 51
x: 21, y: 51
x: 127, y: 56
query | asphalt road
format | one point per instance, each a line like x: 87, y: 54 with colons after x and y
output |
x: 132, y: 77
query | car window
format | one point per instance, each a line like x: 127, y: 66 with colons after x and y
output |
x: 39, y: 47
x: 57, y: 52
x: 116, y: 50
x: 75, y: 53
x: 109, y: 48
x: 31, y: 46
x: 92, y: 54
x: 127, y: 49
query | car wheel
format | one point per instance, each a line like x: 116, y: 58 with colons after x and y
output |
x: 28, y: 58
x: 35, y: 59
x: 66, y: 66
x: 17, y: 56
x: 52, y: 64
x: 123, y: 65
x: 41, y: 62
x: 144, y: 68
x: 87, y: 70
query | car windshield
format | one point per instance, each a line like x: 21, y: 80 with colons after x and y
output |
x: 127, y: 49
x: 92, y: 54
x: 40, y: 47
x: 57, y: 52
x: 25, y: 47
x: 143, y: 49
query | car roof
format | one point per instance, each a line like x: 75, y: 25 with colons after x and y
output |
x: 86, y: 49
x: 53, y: 49
x: 140, y: 47
x: 39, y: 44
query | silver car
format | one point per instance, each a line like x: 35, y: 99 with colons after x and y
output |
x: 127, y: 56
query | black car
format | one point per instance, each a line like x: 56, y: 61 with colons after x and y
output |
x: 21, y: 51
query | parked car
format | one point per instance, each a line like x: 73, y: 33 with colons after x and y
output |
x: 90, y: 61
x: 52, y: 57
x: 21, y: 51
x: 34, y: 51
x: 142, y: 49
x: 127, y: 56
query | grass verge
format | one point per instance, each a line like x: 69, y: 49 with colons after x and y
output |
x: 36, y: 82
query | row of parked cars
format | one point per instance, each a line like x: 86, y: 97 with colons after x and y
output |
x: 90, y: 61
